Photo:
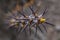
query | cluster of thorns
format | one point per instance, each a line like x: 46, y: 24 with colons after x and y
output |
x: 32, y: 21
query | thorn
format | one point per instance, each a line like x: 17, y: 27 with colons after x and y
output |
x: 21, y: 13
x: 30, y: 30
x: 32, y: 11
x: 44, y: 12
x: 44, y: 27
x: 24, y: 27
x: 50, y: 24
x: 36, y: 31
x: 40, y: 29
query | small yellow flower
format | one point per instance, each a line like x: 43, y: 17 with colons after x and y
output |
x: 42, y: 20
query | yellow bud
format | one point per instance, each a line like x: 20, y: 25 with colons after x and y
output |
x: 42, y: 20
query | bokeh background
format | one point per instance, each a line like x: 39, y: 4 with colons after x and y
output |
x: 53, y: 13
